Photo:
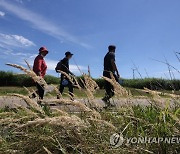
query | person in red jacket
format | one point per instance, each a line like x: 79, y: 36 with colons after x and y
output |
x: 40, y: 68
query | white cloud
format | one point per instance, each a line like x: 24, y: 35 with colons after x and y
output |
x: 23, y: 40
x: 14, y: 41
x: 52, y: 64
x: 41, y: 23
x: 2, y: 14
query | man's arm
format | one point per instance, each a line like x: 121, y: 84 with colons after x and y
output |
x: 115, y: 67
x: 68, y: 70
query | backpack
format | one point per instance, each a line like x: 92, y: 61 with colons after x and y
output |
x: 58, y: 66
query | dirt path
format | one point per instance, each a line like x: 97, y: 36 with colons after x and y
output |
x: 13, y: 102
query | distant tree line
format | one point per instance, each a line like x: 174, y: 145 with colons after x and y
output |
x: 11, y: 79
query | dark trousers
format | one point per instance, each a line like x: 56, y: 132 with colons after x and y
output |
x: 108, y: 86
x: 70, y: 86
x: 40, y: 91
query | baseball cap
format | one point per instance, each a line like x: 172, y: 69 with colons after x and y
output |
x: 68, y: 53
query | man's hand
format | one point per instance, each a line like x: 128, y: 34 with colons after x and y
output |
x: 39, y: 74
x: 71, y: 73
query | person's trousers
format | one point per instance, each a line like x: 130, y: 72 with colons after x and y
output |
x: 70, y: 86
x: 108, y: 86
x: 40, y: 91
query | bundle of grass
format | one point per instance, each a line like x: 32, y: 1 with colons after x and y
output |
x: 90, y: 88
x: 90, y: 83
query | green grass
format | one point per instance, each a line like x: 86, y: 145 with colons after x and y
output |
x: 148, y: 121
x: 99, y: 93
x: 8, y: 90
x: 20, y: 90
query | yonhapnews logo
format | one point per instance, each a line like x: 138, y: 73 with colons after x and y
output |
x: 117, y: 139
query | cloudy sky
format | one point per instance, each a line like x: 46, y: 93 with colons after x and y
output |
x: 142, y: 30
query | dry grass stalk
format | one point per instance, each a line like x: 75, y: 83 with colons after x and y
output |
x: 6, y: 114
x: 69, y: 102
x: 76, y: 83
x: 29, y: 102
x: 72, y: 79
x: 61, y: 112
x: 48, y: 152
x: 118, y: 89
x: 104, y: 123
x: 156, y: 98
x: 29, y: 92
x: 68, y: 122
x: 88, y: 91
x: 91, y: 87
x: 30, y: 73
x: 66, y: 75
x: 152, y: 92
x: 82, y: 107
x: 57, y: 91
x: 28, y: 111
x: 90, y: 83
x: 71, y: 95
x: 28, y: 65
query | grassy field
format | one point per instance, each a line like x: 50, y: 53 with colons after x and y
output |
x: 55, y: 131
x: 44, y: 130
x: 78, y: 93
x: 41, y: 129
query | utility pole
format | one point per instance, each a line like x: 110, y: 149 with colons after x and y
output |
x: 133, y: 69
x: 89, y: 72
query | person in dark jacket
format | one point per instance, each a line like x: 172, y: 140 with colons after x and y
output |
x: 63, y: 65
x: 110, y: 67
x: 40, y: 68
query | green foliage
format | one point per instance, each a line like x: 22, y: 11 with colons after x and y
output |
x: 10, y: 79
x: 153, y: 83
x: 150, y: 83
x: 52, y: 80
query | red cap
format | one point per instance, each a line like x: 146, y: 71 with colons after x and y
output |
x: 43, y: 49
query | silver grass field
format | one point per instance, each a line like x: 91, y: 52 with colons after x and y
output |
x: 42, y: 129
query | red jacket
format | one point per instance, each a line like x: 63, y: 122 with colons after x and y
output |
x: 40, y: 65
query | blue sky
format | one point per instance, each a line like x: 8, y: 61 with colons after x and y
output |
x: 142, y: 30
